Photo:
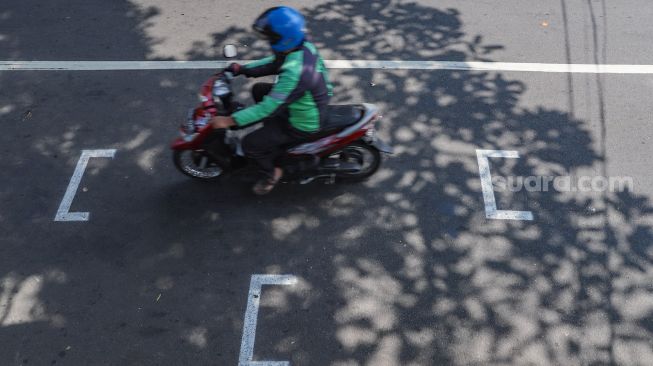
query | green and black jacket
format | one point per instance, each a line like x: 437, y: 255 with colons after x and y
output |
x: 303, y: 88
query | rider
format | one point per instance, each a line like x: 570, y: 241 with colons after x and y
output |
x: 292, y: 109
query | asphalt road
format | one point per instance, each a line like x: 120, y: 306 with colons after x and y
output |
x: 404, y: 269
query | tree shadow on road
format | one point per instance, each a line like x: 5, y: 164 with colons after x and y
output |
x: 402, y: 270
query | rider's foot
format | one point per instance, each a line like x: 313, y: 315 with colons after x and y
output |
x: 266, y: 185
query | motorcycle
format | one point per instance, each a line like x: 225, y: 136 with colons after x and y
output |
x: 346, y: 148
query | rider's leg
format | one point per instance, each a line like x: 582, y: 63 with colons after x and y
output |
x: 266, y: 145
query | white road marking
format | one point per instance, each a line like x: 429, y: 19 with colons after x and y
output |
x: 490, y: 66
x: 491, y: 211
x: 251, y: 315
x: 110, y: 65
x: 333, y: 64
x: 64, y: 207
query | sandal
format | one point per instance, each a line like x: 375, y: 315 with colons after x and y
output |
x: 265, y: 185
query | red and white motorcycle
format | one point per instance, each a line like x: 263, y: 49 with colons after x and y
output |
x: 346, y: 149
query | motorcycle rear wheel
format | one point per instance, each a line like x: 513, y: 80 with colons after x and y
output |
x: 196, y: 164
x: 367, y: 156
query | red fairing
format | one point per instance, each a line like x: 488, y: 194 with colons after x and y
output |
x: 341, y: 143
x: 207, y: 92
x: 207, y: 108
x: 206, y: 95
x: 192, y: 142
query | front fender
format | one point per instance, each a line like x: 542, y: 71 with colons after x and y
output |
x: 182, y: 143
x: 193, y: 141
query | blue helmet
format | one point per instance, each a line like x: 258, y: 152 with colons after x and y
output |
x: 282, y: 26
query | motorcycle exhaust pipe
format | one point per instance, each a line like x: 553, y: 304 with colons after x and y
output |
x: 329, y: 171
x: 339, y: 167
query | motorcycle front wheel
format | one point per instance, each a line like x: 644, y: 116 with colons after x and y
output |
x: 196, y: 164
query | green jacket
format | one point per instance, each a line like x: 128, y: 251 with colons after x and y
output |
x: 303, y: 88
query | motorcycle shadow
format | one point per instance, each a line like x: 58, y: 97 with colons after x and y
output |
x: 234, y: 192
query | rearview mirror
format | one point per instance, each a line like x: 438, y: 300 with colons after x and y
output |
x: 229, y: 51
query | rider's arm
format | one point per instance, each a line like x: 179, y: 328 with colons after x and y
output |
x: 287, y: 90
x: 264, y: 67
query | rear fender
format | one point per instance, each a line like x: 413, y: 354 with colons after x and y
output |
x: 382, y: 146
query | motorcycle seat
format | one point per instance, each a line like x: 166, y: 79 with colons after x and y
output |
x: 341, y: 116
x: 338, y: 118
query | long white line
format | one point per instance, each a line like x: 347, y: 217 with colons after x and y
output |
x: 333, y: 64
x: 109, y: 65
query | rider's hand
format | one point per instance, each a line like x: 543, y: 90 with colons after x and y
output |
x: 222, y: 122
x: 234, y: 68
